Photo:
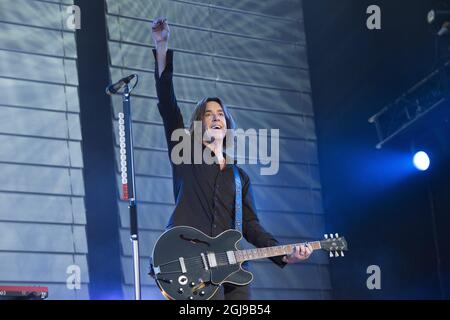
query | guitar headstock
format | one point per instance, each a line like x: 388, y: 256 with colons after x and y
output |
x: 334, y: 244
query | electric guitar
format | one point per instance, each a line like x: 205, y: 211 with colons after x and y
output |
x: 189, y: 265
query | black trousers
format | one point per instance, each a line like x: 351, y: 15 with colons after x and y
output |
x: 232, y: 292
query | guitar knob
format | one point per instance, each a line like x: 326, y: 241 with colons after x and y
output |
x: 202, y: 293
x: 180, y: 291
x: 191, y: 298
x: 336, y: 235
x: 331, y: 254
x: 192, y: 284
x: 325, y: 236
x: 331, y: 235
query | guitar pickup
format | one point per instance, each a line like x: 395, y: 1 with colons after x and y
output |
x: 212, y: 259
x: 231, y: 257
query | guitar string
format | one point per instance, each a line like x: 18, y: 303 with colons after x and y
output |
x: 221, y: 257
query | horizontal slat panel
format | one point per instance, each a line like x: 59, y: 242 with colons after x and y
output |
x: 270, y: 198
x: 215, y: 67
x: 216, y: 19
x: 153, y: 189
x: 138, y: 32
x: 292, y: 175
x: 41, y: 237
x: 289, y: 126
x: 29, y: 150
x: 282, y: 9
x: 150, y: 215
x: 176, y: 12
x: 42, y: 267
x: 286, y: 8
x: 39, y: 123
x: 255, y: 26
x: 232, y: 94
x: 40, y: 208
x: 247, y: 72
x: 36, y: 95
x: 60, y: 1
x: 24, y: 178
x: 33, y: 67
x: 293, y: 225
x: 39, y: 41
x: 35, y: 13
x: 142, y: 158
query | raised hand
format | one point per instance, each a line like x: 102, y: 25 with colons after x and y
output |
x: 160, y: 30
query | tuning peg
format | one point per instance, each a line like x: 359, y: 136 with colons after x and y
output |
x: 336, y: 235
x: 325, y: 236
x: 342, y: 253
x: 331, y: 235
x: 331, y: 254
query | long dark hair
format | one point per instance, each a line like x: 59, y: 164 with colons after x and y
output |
x: 199, y: 112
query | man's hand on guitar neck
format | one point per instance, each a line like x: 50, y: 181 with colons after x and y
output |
x: 300, y: 253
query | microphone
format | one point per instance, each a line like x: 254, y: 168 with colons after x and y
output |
x: 444, y: 29
x: 113, y: 88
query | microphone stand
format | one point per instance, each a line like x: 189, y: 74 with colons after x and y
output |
x: 128, y: 185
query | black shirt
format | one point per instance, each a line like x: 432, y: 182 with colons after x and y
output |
x: 205, y: 194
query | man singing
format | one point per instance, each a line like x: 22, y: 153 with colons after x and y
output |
x: 205, y: 193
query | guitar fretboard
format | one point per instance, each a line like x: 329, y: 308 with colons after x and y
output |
x: 260, y: 253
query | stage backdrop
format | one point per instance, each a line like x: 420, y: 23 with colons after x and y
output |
x: 252, y: 54
x: 42, y: 212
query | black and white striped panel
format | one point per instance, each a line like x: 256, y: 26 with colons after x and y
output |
x: 42, y: 212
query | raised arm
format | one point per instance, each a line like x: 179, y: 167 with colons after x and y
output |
x: 167, y: 102
x: 160, y: 35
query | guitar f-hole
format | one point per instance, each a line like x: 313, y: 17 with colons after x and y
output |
x: 194, y: 241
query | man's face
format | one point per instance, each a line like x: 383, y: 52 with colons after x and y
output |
x: 214, y: 122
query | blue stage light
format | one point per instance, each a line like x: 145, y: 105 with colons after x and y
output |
x: 421, y: 161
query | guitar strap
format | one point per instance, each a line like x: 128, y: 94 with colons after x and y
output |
x: 237, y: 200
x: 238, y: 209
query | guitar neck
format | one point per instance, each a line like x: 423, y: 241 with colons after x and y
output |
x: 260, y: 253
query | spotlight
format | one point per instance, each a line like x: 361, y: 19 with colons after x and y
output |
x: 421, y: 161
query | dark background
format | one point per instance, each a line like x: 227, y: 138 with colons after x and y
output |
x: 374, y: 197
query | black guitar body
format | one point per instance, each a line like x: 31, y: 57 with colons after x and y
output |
x: 191, y: 265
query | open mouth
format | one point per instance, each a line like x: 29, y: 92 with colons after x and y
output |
x: 216, y: 127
